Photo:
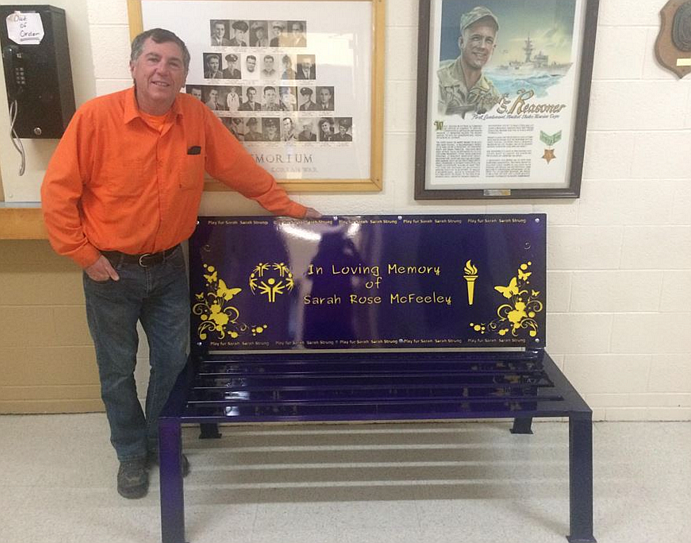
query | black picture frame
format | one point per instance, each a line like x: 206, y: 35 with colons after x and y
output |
x: 566, y: 185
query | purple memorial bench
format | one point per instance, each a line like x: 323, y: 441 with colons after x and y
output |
x: 370, y: 318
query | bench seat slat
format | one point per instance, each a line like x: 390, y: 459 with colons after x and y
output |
x: 410, y: 410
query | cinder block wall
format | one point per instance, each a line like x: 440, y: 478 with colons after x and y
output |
x: 47, y: 358
x: 619, y: 318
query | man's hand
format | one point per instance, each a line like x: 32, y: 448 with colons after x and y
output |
x: 312, y: 214
x: 102, y: 270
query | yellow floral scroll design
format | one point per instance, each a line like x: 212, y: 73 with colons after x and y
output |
x: 518, y: 314
x: 271, y: 280
x: 218, y: 316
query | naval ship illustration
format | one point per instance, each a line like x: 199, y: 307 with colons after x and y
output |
x: 533, y: 66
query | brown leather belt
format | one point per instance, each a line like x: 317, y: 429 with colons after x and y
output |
x: 145, y: 260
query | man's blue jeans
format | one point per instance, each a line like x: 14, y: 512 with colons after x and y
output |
x: 158, y: 297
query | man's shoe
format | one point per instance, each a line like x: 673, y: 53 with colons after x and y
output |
x: 133, y: 479
x: 152, y: 460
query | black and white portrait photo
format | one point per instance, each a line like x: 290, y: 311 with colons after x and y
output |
x: 213, y: 99
x: 251, y: 99
x: 253, y: 129
x: 219, y: 32
x: 287, y: 67
x: 306, y: 68
x: 306, y: 99
x: 194, y: 90
x: 271, y: 129
x: 271, y: 100
x: 343, y: 129
x: 212, y: 66
x: 269, y: 70
x: 288, y: 129
x: 251, y: 68
x: 325, y: 98
x: 288, y: 98
x: 296, y: 34
x: 308, y: 131
x: 231, y: 70
x: 278, y: 37
x: 259, y: 34
x: 326, y: 129
x: 240, y: 29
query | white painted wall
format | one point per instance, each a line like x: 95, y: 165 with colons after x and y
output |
x: 619, y: 319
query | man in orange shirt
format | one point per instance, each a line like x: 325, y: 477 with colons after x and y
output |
x: 120, y: 194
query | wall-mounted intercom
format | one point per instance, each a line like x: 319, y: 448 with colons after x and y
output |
x: 38, y: 77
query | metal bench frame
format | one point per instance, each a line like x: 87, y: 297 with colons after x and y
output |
x: 318, y: 386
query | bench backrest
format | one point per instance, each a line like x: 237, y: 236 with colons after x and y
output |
x: 368, y: 282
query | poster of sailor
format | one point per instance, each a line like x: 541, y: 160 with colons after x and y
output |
x: 503, y: 82
x: 290, y: 81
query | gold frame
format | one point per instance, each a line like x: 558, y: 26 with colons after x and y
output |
x: 374, y: 183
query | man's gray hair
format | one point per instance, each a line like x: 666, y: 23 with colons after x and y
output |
x: 159, y: 35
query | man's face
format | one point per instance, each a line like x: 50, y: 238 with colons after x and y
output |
x: 213, y: 94
x: 251, y: 93
x: 251, y: 64
x: 287, y: 125
x: 219, y: 30
x: 325, y: 127
x: 324, y: 96
x: 271, y: 130
x: 477, y: 43
x: 307, y: 63
x: 342, y: 129
x: 268, y: 63
x: 240, y: 34
x: 197, y: 93
x: 278, y: 31
x: 270, y: 96
x: 159, y: 73
x: 296, y: 29
x: 213, y: 64
x: 260, y: 32
x: 307, y: 128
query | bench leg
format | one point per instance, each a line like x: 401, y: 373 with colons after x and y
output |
x: 522, y: 425
x: 172, y: 497
x: 581, y: 478
x: 209, y: 431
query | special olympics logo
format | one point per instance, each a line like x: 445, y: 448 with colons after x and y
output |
x: 271, y: 280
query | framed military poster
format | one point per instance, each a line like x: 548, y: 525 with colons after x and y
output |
x: 503, y: 93
x: 299, y: 83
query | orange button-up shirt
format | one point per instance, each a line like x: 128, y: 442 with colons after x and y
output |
x: 115, y: 183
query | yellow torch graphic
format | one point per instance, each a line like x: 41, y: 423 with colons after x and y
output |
x: 470, y: 275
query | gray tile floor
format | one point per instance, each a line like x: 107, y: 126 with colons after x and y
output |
x: 402, y: 483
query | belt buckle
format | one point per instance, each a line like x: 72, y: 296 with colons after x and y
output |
x: 141, y: 260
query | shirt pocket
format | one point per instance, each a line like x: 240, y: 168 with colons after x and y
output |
x: 192, y: 172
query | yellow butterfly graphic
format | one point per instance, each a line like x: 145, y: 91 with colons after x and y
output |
x: 509, y: 291
x: 523, y: 275
x: 225, y: 292
x: 211, y: 278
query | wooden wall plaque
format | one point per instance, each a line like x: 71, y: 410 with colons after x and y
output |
x: 673, y: 44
